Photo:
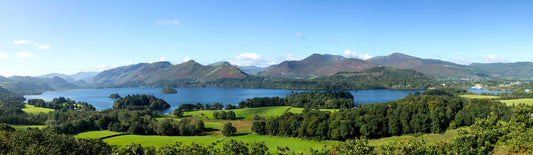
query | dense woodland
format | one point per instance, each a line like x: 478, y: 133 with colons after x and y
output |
x: 140, y: 102
x: 433, y: 111
x: 169, y: 90
x: 314, y: 99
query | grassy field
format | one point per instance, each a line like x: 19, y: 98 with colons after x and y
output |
x: 96, y: 134
x: 479, y: 96
x: 158, y: 141
x: 248, y: 113
x: 294, y: 144
x: 35, y: 110
x: 527, y: 101
x: 24, y: 127
x: 429, y: 138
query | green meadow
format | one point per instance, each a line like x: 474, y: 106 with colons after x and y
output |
x: 272, y: 142
x: 245, y: 113
x: 24, y: 127
x: 248, y: 113
x: 430, y: 138
x: 158, y: 141
x: 479, y: 96
x: 96, y: 134
x: 527, y: 101
x: 30, y: 109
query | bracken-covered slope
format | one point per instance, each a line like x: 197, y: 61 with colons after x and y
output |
x: 512, y: 71
x: 164, y: 73
x: 429, y: 66
x: 318, y: 65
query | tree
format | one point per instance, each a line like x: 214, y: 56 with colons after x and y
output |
x: 6, y: 127
x: 229, y: 130
x: 177, y: 112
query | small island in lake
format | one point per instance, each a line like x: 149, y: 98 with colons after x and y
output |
x: 114, y: 96
x: 169, y: 90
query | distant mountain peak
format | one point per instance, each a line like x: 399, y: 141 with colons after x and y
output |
x: 219, y: 63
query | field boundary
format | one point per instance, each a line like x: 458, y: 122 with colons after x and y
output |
x: 111, y: 136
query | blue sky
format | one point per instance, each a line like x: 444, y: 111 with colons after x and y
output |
x: 40, y: 37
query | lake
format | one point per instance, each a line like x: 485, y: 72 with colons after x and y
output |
x: 479, y: 91
x: 99, y: 97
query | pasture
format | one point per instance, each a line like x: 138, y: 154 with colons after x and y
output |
x: 526, y: 101
x: 96, y: 134
x: 429, y: 138
x: 272, y: 142
x: 479, y: 96
x: 158, y: 141
x: 30, y: 109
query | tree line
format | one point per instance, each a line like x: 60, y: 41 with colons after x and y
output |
x: 312, y: 99
x: 61, y: 103
x: 140, y: 102
x: 418, y: 113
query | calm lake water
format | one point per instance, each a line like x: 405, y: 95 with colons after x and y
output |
x: 98, y: 97
x: 479, y: 91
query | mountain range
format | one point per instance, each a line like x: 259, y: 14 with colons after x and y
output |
x: 316, y: 65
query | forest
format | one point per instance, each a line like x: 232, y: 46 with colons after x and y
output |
x: 433, y: 111
x: 312, y: 99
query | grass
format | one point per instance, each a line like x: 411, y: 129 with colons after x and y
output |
x: 30, y: 109
x: 96, y: 134
x: 479, y: 96
x: 300, y: 110
x: 429, y: 138
x: 527, y: 101
x: 272, y: 142
x: 24, y: 127
x: 158, y: 141
x: 248, y: 113
x: 245, y: 113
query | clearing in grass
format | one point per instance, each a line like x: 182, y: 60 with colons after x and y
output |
x: 30, y: 109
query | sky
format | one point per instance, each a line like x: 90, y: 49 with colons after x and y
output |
x: 68, y: 36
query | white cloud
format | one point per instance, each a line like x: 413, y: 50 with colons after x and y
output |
x: 300, y: 35
x: 40, y: 46
x: 463, y: 61
x: 44, y: 47
x: 250, y: 59
x: 351, y: 54
x: 287, y: 57
x: 24, y: 55
x: 185, y: 59
x: 4, y: 55
x: 127, y: 63
x: 168, y: 22
x: 17, y: 42
x: 162, y: 59
x: 491, y: 58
